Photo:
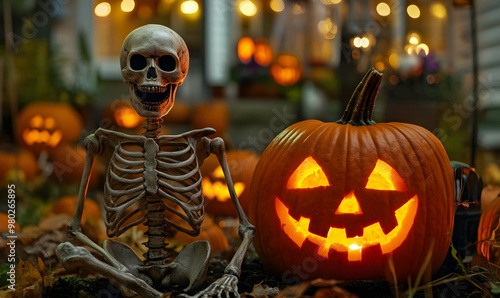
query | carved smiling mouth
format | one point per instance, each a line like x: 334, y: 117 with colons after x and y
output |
x: 298, y: 232
x: 154, y: 95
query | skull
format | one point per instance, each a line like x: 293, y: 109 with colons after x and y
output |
x: 154, y: 60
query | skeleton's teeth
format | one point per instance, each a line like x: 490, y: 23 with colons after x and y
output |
x: 152, y: 89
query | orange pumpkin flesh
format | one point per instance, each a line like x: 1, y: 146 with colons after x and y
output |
x: 335, y: 200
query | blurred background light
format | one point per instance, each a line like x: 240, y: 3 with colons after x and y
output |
x: 413, y: 11
x: 277, y: 5
x: 102, y: 9
x: 127, y: 5
x: 189, y: 7
x: 383, y: 9
x: 248, y: 8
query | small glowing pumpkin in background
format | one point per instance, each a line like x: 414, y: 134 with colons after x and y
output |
x: 217, y: 200
x: 18, y: 159
x: 119, y: 115
x: 44, y: 126
x: 286, y: 70
x: 68, y: 163
x: 345, y: 198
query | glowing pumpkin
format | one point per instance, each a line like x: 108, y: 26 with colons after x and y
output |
x: 286, y: 70
x: 338, y: 200
x: 44, y: 126
x: 217, y: 200
x: 120, y: 115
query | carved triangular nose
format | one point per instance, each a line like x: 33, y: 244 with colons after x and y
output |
x: 349, y: 205
x: 151, y: 73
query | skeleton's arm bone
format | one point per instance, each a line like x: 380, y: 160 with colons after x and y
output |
x: 246, y: 230
x: 91, y: 144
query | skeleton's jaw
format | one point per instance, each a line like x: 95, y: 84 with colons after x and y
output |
x: 152, y: 101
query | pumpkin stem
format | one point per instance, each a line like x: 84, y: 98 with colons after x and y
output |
x: 153, y: 126
x: 360, y: 107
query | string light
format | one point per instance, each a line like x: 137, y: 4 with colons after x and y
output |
x: 277, y: 5
x: 383, y: 9
x: 248, y: 8
x: 413, y: 11
x: 127, y: 5
x: 189, y: 7
x: 102, y: 9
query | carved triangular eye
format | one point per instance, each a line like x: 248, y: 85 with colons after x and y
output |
x: 308, y: 175
x: 384, y: 177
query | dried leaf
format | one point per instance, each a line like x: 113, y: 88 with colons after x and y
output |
x: 260, y: 291
x: 294, y: 291
x: 27, y: 274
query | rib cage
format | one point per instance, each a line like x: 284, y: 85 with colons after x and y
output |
x: 172, y: 187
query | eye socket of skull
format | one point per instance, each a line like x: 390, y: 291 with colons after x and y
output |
x: 138, y: 62
x: 167, y: 63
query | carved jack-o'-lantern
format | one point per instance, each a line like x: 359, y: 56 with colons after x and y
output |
x: 339, y: 200
x: 43, y: 126
x: 241, y: 165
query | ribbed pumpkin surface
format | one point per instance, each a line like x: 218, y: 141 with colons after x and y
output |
x: 489, y: 224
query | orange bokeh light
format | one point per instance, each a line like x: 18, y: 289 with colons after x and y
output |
x: 263, y: 54
x: 127, y: 117
x: 246, y: 49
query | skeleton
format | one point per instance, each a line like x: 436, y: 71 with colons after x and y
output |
x: 153, y: 175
